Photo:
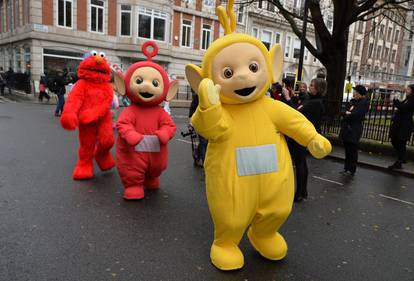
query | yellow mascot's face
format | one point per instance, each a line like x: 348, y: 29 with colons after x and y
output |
x: 242, y: 77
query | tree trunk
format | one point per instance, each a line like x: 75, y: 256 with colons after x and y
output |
x: 335, y: 77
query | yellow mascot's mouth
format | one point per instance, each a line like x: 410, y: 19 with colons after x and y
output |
x: 245, y: 91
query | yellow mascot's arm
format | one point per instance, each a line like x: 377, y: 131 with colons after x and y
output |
x: 210, y: 120
x: 293, y: 124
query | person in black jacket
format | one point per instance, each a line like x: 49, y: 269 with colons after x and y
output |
x: 202, y: 142
x: 402, y: 126
x: 352, y: 127
x: 313, y: 109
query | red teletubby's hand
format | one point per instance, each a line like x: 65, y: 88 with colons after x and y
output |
x: 133, y: 138
x: 162, y: 136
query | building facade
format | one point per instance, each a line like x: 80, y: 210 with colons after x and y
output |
x: 39, y: 35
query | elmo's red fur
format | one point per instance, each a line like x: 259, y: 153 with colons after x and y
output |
x: 88, y: 107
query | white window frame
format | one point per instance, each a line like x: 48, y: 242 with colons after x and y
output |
x: 287, y: 48
x: 209, y: 32
x: 240, y: 13
x: 271, y: 36
x: 97, y: 7
x: 255, y: 30
x: 64, y: 15
x: 278, y: 36
x: 306, y: 55
x: 153, y: 14
x: 190, y: 27
x: 130, y: 12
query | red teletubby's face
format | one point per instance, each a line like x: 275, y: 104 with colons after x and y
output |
x: 95, y: 68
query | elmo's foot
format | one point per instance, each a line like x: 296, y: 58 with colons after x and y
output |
x: 83, y: 171
x: 105, y: 162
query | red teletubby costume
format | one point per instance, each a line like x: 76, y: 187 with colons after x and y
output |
x: 144, y: 128
x: 88, y: 107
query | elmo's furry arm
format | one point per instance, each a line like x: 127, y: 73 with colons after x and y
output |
x: 126, y: 127
x: 69, y: 119
x: 166, y: 129
x: 97, y: 112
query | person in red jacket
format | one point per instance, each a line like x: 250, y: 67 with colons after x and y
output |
x: 88, y: 107
x: 144, y: 128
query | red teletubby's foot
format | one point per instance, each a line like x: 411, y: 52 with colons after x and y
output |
x: 152, y: 183
x: 83, y: 171
x: 105, y: 162
x: 134, y: 193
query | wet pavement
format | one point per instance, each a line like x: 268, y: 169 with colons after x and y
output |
x: 53, y: 228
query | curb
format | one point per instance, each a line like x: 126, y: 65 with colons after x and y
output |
x: 375, y: 166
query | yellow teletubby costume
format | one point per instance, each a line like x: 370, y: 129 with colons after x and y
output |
x: 249, y: 175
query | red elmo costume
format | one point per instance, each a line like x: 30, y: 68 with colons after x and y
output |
x: 88, y: 107
x: 144, y: 127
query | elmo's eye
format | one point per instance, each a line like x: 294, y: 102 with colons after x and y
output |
x: 102, y: 54
x: 254, y: 67
x: 228, y: 73
x: 94, y: 53
x: 155, y: 83
x: 139, y: 80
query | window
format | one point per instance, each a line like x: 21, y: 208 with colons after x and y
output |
x: 205, y: 40
x: 297, y: 3
x: 386, y: 53
x: 354, y: 68
x: 393, y: 55
x: 379, y: 49
x: 357, y: 47
x: 368, y: 70
x: 382, y: 31
x: 64, y: 17
x: 97, y: 11
x: 376, y: 71
x: 267, y: 38
x: 287, y: 46
x: 277, y: 38
x: 10, y: 13
x: 186, y: 33
x: 270, y: 6
x: 296, y: 48
x: 373, y: 29
x: 389, y: 33
x: 397, y: 35
x: 371, y: 46
x: 126, y: 20
x: 152, y: 24
x: 260, y: 5
x: 305, y: 58
x: 240, y: 14
x: 329, y: 22
x: 17, y: 11
x: 255, y: 32
x: 209, y: 3
x: 360, y: 27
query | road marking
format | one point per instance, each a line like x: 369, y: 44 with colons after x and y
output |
x: 396, y: 199
x: 186, y: 141
x: 335, y: 182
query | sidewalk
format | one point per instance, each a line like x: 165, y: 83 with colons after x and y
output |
x: 374, y: 160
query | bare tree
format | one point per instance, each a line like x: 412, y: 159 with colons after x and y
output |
x: 331, y: 46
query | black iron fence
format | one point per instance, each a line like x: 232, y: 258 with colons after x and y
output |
x: 377, y: 121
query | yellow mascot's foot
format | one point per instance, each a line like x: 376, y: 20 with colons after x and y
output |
x: 272, y: 248
x: 228, y: 257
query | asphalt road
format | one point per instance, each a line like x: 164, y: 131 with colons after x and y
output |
x: 54, y: 228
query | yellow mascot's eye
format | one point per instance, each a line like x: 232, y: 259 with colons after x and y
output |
x: 228, y: 72
x: 254, y: 67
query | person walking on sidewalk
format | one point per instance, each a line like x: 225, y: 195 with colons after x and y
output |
x: 56, y: 84
x: 10, y: 79
x: 42, y: 89
x: 2, y: 81
x: 352, y: 127
x: 313, y: 108
x: 402, y: 126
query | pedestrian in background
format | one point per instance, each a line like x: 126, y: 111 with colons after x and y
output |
x: 42, y: 89
x: 402, y: 126
x: 287, y: 91
x: 10, y: 79
x: 352, y: 127
x: 276, y: 91
x: 56, y: 84
x: 2, y: 81
x: 313, y: 109
x: 202, y: 142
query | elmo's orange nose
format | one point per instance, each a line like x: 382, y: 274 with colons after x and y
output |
x: 98, y: 59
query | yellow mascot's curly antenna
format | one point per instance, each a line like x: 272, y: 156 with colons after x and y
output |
x: 227, y: 17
